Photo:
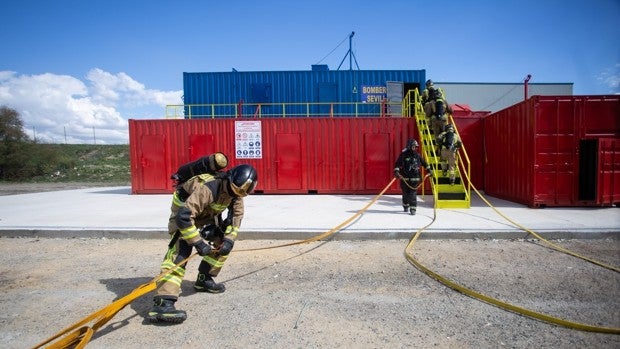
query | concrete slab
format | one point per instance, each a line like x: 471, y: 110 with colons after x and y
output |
x: 115, y: 212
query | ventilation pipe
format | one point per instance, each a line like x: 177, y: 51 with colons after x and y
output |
x: 527, y: 79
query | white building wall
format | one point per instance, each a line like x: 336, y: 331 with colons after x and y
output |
x: 496, y: 96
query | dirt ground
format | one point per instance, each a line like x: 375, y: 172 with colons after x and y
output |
x: 335, y: 294
x: 330, y: 294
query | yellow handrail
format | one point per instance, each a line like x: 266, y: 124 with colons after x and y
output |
x: 412, y: 106
x: 318, y: 109
x: 466, y: 163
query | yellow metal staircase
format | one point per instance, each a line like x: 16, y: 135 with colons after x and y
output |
x: 445, y: 194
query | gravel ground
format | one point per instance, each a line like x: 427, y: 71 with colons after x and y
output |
x: 335, y: 294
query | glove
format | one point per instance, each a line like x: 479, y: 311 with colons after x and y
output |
x: 202, y: 248
x: 430, y: 173
x: 397, y: 174
x: 227, y: 246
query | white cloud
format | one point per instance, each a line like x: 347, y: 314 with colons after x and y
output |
x: 59, y: 108
x: 610, y: 78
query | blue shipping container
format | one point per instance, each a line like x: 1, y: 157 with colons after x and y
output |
x: 312, y: 86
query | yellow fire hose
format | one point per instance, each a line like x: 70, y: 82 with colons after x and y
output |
x: 331, y: 231
x: 79, y: 334
x: 496, y: 302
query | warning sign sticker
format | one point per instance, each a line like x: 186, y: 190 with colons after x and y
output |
x: 248, y: 140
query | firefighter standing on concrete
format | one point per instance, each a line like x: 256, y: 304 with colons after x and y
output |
x: 196, y: 222
x: 407, y: 169
x: 449, y: 144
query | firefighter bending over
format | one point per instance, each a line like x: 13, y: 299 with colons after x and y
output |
x: 407, y: 169
x: 196, y: 222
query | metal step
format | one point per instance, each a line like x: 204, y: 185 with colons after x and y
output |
x: 451, y: 196
x: 453, y: 204
x: 446, y: 180
x: 448, y: 195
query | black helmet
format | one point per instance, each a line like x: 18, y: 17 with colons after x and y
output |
x: 429, y: 83
x: 412, y: 143
x: 242, y: 180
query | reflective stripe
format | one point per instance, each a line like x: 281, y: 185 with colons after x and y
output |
x: 169, y: 264
x: 172, y: 279
x: 176, y: 201
x: 189, y: 232
x: 231, y: 231
x: 206, y: 177
x: 214, y: 262
x: 217, y: 207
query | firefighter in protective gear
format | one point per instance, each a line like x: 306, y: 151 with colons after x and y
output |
x: 407, y: 169
x: 196, y: 222
x: 436, y: 107
x: 449, y: 143
x: 430, y: 95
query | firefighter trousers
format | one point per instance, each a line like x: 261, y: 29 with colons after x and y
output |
x: 409, y: 188
x: 178, y: 250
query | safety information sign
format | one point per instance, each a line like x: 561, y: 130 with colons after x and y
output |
x: 248, y: 140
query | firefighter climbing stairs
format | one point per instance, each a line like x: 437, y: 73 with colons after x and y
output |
x: 446, y: 194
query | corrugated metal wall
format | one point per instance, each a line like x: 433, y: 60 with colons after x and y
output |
x: 470, y: 130
x: 299, y: 155
x: 543, y: 152
x: 291, y: 86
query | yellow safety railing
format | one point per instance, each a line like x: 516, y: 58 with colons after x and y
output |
x: 463, y: 163
x: 281, y: 110
x: 412, y: 107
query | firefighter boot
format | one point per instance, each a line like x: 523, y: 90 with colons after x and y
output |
x: 165, y: 311
x: 412, y: 210
x: 405, y: 208
x: 205, y: 283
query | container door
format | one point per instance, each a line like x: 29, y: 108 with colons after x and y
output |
x: 394, y: 98
x: 377, y: 167
x: 608, y: 171
x: 200, y: 145
x: 587, y: 169
x: 328, y: 93
x: 288, y: 161
x: 153, y: 162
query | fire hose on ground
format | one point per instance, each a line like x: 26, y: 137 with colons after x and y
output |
x: 79, y: 334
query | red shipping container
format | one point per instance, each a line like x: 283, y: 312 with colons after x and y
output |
x: 546, y: 151
x: 298, y: 155
x: 469, y: 125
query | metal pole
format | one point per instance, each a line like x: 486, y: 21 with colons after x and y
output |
x: 351, y: 51
x: 527, y: 79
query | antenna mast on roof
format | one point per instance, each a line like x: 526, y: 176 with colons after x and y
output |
x: 350, y: 54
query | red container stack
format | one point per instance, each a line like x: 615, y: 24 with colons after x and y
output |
x: 298, y: 155
x: 549, y: 151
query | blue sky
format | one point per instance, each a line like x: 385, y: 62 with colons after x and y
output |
x: 78, y: 70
